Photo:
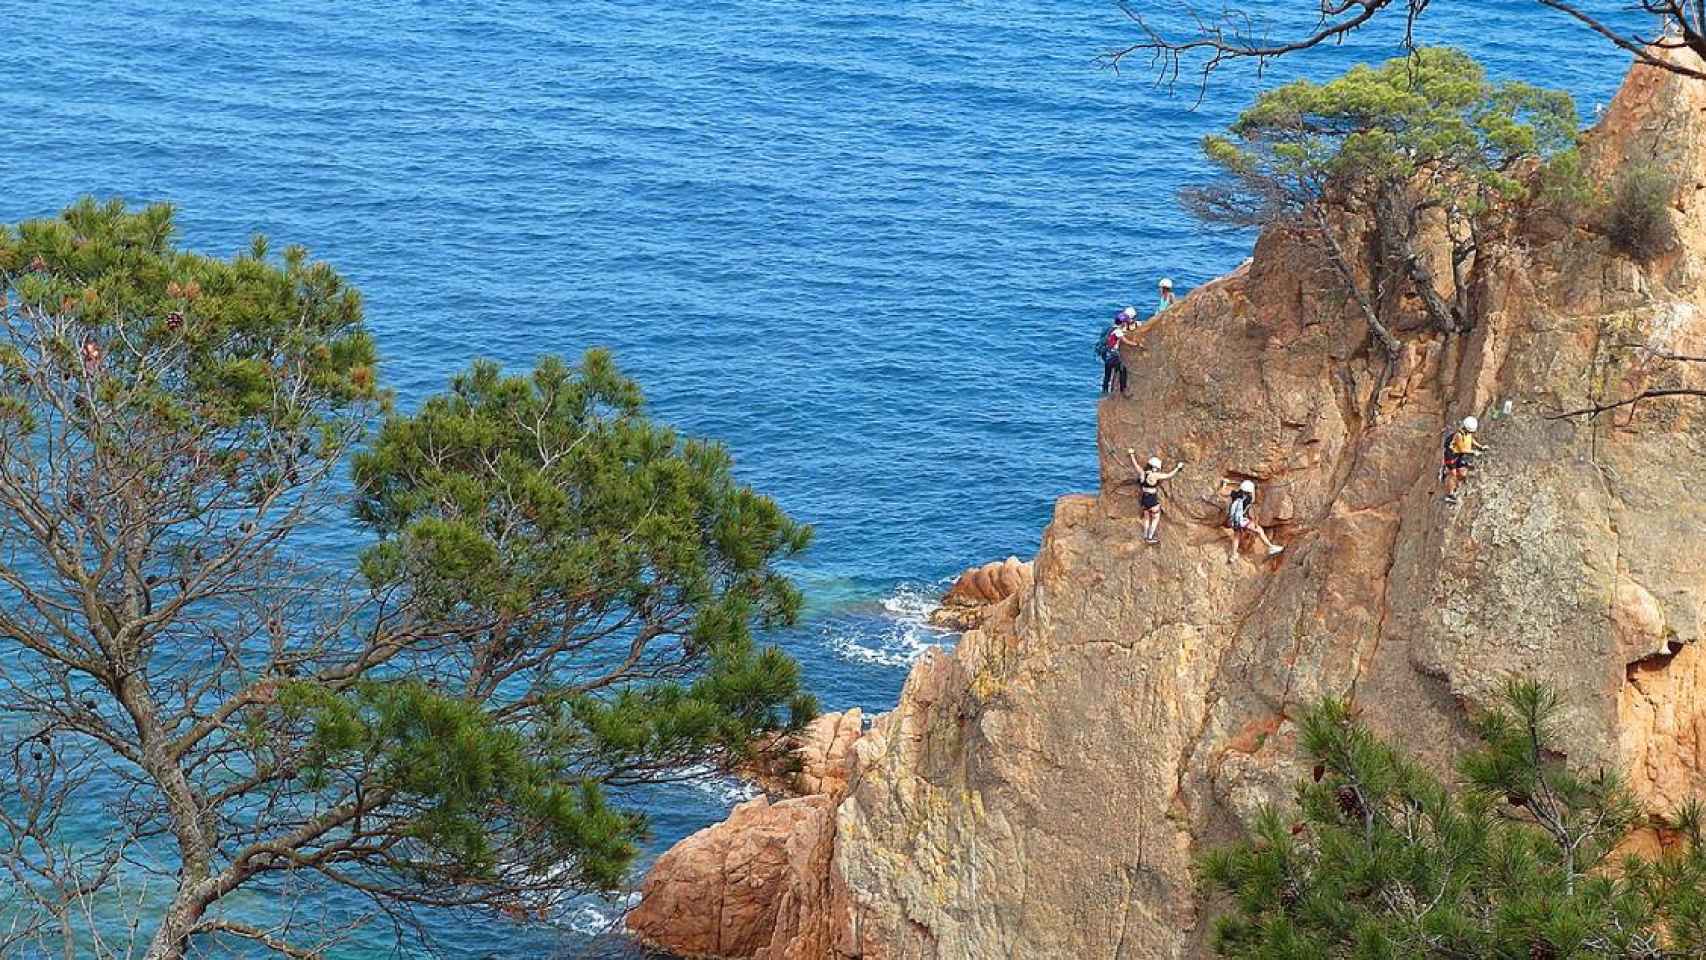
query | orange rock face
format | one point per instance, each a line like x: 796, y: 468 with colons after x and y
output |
x: 717, y: 893
x: 1043, y: 790
x: 758, y: 884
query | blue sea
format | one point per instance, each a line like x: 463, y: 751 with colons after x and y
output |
x: 867, y: 245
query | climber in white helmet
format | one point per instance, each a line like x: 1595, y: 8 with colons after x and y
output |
x: 1149, y: 486
x: 1461, y: 448
x: 1241, y: 517
x: 1167, y: 296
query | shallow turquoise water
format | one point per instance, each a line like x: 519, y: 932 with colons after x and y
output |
x: 867, y: 245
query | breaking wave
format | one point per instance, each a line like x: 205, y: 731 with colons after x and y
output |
x: 897, y: 635
x: 721, y: 787
x: 599, y: 918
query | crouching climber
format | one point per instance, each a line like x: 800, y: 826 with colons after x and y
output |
x: 1241, y: 518
x: 1149, y: 480
x: 1461, y: 448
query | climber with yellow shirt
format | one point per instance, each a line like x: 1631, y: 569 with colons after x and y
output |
x: 1461, y: 448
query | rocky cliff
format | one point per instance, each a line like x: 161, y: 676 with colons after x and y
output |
x: 1042, y: 790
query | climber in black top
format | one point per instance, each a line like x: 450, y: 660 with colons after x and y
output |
x: 1149, y: 485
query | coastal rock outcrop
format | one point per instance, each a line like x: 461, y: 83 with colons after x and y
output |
x: 978, y: 588
x: 717, y: 894
x: 1042, y: 790
x: 817, y: 759
x: 758, y: 884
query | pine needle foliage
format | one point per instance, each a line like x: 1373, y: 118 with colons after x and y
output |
x: 1433, y: 114
x: 556, y: 601
x: 1380, y: 860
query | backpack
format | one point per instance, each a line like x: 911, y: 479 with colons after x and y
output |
x: 1109, y: 348
x: 1238, y: 510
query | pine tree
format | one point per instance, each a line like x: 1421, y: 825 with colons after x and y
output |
x: 1381, y: 860
x: 556, y: 600
x: 1427, y: 132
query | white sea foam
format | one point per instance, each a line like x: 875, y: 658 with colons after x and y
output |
x: 597, y: 918
x: 912, y: 602
x: 721, y: 787
x: 900, y: 636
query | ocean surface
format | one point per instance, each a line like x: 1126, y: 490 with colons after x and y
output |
x: 867, y: 245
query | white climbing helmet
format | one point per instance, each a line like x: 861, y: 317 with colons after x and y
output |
x: 1155, y: 463
x: 1130, y: 313
x: 1471, y: 424
x: 1166, y: 283
x: 1248, y: 486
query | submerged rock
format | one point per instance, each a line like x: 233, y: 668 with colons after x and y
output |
x: 1042, y: 790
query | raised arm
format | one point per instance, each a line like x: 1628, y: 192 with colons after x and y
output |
x: 1174, y: 472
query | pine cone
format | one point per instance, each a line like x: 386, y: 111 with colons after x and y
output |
x: 1349, y: 803
x: 1541, y: 950
x: 1319, y: 772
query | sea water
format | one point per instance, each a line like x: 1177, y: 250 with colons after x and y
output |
x: 867, y: 245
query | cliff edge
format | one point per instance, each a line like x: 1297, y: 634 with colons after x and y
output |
x: 1042, y: 790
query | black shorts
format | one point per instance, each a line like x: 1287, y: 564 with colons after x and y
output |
x: 1151, y: 501
x: 1460, y: 461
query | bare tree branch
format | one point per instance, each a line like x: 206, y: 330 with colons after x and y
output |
x: 1672, y: 17
x: 1600, y: 408
x: 1232, y: 35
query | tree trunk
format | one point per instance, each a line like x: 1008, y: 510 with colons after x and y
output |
x: 1462, y: 280
x: 1336, y: 254
x: 171, y: 938
x: 184, y: 815
x: 1397, y: 235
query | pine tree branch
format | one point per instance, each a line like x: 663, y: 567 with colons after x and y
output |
x: 1232, y: 36
x: 1662, y: 354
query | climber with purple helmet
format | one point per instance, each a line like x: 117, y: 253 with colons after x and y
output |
x: 1108, y: 348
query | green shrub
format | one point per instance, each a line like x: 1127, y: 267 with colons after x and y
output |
x: 1637, y: 218
x: 1523, y: 856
